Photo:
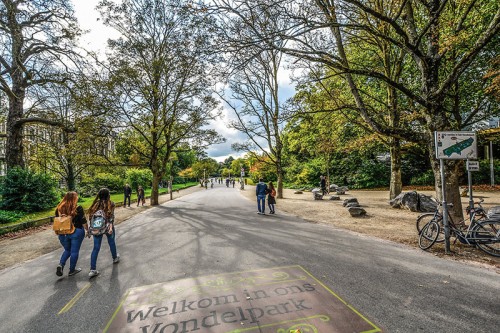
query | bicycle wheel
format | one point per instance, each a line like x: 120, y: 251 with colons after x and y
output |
x: 487, y: 237
x: 429, y: 235
x: 423, y: 219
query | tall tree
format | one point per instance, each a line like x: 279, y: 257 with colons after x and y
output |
x: 443, y: 40
x: 161, y: 78
x: 82, y: 138
x: 255, y: 95
x: 36, y: 37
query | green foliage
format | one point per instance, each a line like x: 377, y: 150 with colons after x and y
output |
x: 7, y: 216
x: 27, y: 191
x: 415, y: 166
x: 305, y: 174
x: 483, y: 176
x: 371, y: 174
x: 206, y: 167
x: 423, y: 178
x: 137, y: 177
x: 90, y: 185
x: 266, y: 171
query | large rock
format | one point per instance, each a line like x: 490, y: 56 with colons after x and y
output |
x: 317, y: 196
x: 352, y: 204
x: 415, y: 202
x: 346, y: 201
x: 356, y: 211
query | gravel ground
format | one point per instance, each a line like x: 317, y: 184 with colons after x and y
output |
x: 381, y: 221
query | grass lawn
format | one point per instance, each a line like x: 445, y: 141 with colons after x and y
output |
x: 86, y: 202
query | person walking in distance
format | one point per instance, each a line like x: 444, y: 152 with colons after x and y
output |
x: 260, y: 191
x: 322, y: 184
x: 71, y: 242
x: 271, y: 197
x: 103, y: 207
x: 127, y: 193
x: 140, y: 196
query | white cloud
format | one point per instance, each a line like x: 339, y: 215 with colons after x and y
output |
x: 222, y: 151
x: 90, y: 19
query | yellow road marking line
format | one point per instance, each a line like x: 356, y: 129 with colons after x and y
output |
x: 75, y: 299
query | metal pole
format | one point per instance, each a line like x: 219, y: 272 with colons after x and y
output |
x: 471, y: 198
x: 445, y: 208
x: 492, y: 167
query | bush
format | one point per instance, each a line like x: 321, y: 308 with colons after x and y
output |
x: 483, y: 176
x: 89, y: 186
x: 371, y: 174
x: 136, y: 177
x: 26, y: 191
x: 425, y: 178
x: 7, y: 216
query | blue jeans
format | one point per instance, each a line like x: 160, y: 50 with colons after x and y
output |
x: 97, y: 247
x: 261, y: 203
x: 71, y: 244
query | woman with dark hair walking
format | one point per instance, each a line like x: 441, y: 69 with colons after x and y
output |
x: 271, y: 198
x: 104, y: 207
x: 71, y: 242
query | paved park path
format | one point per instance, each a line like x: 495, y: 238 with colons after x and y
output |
x: 204, y: 239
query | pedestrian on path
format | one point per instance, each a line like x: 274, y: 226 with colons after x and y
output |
x: 102, y: 203
x: 140, y: 196
x: 271, y: 197
x: 71, y: 242
x: 322, y: 184
x: 260, y: 191
x: 127, y: 193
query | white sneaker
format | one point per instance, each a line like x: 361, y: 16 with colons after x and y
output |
x: 93, y: 273
x: 117, y: 259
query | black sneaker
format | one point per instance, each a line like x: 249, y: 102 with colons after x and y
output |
x: 59, y: 270
x: 76, y: 271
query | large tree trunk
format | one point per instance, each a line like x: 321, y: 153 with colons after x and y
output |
x: 14, y: 148
x: 154, y: 189
x: 70, y: 177
x: 279, y: 184
x: 396, y: 186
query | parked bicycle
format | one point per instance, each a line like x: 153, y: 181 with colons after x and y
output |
x: 477, y: 213
x: 481, y: 232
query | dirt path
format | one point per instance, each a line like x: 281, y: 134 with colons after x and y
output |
x: 32, y: 243
x: 382, y: 221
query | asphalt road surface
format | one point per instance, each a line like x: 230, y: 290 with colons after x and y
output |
x: 217, y: 231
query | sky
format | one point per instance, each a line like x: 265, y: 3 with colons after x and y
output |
x: 96, y: 40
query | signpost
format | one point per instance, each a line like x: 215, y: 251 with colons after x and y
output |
x: 454, y: 146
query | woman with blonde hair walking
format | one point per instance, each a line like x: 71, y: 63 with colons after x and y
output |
x: 71, y: 242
